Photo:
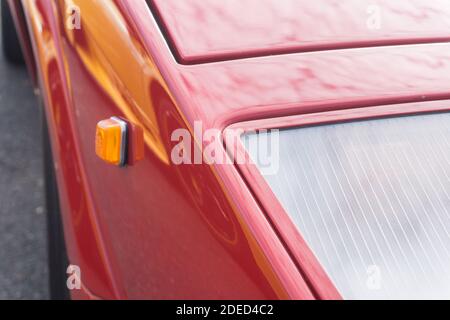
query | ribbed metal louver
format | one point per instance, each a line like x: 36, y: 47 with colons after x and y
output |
x: 372, y: 200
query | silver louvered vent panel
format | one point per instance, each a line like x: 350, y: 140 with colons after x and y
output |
x: 372, y: 200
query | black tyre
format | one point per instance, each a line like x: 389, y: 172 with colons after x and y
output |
x: 11, y: 45
x: 57, y: 256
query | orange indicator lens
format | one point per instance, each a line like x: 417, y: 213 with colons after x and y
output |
x: 110, y: 141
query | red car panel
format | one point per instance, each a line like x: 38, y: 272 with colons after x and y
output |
x: 210, y: 30
x: 152, y: 230
x: 157, y: 230
x: 83, y: 240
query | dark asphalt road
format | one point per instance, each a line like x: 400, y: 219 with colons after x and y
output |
x: 23, y: 247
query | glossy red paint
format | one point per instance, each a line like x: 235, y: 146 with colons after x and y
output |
x: 82, y: 237
x: 150, y: 230
x: 156, y: 230
x: 210, y: 30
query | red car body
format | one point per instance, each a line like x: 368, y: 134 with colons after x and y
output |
x: 157, y: 230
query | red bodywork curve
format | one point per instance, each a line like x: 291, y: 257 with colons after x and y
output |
x: 156, y: 230
x: 208, y: 30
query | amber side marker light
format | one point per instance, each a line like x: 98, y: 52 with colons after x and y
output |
x: 111, y: 141
x: 119, y: 142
